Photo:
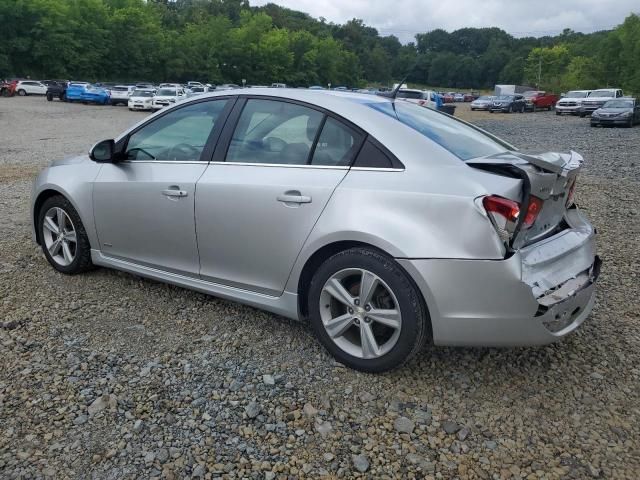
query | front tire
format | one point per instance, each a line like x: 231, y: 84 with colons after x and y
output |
x: 49, y: 97
x: 366, y: 311
x: 22, y: 93
x: 63, y: 238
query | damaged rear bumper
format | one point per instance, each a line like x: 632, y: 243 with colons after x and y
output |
x: 535, y: 297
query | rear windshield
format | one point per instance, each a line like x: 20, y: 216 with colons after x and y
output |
x: 406, y: 94
x: 602, y: 93
x: 576, y: 95
x: 462, y: 140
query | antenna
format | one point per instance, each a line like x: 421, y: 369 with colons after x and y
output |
x: 394, y: 94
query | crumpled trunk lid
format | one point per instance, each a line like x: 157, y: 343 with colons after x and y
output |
x: 547, y: 176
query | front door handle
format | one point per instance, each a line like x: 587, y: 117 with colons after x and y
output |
x: 293, y: 197
x: 174, y: 192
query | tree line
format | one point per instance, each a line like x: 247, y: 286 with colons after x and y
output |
x: 225, y: 41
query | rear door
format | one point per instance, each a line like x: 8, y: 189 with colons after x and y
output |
x: 261, y: 196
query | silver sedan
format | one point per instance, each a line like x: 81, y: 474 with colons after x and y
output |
x: 383, y: 224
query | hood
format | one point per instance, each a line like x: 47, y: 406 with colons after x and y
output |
x: 70, y: 160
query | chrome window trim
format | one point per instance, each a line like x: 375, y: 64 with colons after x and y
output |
x: 192, y: 162
x: 381, y: 169
x: 287, y: 165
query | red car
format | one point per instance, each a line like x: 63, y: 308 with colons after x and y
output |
x: 8, y: 88
x: 447, y: 97
x: 538, y: 100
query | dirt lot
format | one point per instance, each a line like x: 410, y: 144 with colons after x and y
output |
x: 106, y: 375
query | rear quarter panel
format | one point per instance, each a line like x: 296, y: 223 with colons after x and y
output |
x: 416, y: 213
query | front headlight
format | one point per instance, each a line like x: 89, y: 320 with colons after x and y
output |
x: 595, y: 113
x: 625, y: 114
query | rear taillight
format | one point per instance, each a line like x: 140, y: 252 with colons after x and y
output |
x: 535, y: 205
x: 504, y: 214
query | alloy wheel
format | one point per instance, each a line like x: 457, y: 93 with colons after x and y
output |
x: 60, y: 237
x: 360, y: 313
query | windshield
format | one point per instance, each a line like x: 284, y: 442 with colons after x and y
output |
x: 142, y: 93
x: 619, y: 104
x: 408, y: 94
x: 462, y: 140
x: 602, y: 93
x: 576, y: 95
x: 505, y: 97
x: 530, y: 94
x: 197, y: 89
x: 120, y: 89
x: 167, y: 92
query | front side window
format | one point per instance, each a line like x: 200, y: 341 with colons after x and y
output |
x: 180, y: 135
x: 460, y: 139
x: 274, y: 132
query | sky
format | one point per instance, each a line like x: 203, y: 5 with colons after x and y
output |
x: 405, y: 18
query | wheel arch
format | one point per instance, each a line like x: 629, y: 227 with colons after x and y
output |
x: 326, y: 251
x: 42, y: 197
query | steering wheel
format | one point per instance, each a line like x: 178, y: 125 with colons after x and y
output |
x: 139, y: 150
x: 184, y: 151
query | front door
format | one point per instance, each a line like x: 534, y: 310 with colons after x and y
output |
x: 255, y: 209
x: 144, y: 205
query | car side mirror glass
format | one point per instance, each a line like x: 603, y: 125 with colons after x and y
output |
x: 102, y: 152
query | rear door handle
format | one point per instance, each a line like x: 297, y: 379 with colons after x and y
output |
x: 293, y: 197
x: 174, y: 192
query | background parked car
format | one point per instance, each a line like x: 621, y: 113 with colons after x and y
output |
x: 168, y: 96
x: 621, y: 111
x: 482, y: 103
x: 141, y: 99
x: 56, y: 89
x: 538, y: 100
x: 571, y: 102
x: 508, y: 104
x: 458, y: 97
x: 196, y: 91
x: 8, y: 88
x: 419, y: 97
x: 597, y: 98
x: 30, y: 87
x: 120, y: 94
x: 87, y: 93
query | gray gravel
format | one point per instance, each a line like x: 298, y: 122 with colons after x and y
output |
x: 107, y: 375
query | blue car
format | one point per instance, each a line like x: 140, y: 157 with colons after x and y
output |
x: 87, y: 93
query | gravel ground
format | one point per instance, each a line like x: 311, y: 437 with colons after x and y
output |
x: 107, y: 375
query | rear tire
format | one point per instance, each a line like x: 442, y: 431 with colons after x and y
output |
x: 73, y: 258
x: 374, y: 343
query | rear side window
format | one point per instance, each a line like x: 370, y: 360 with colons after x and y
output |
x: 460, y: 139
x: 372, y: 156
x: 337, y: 144
x: 274, y: 132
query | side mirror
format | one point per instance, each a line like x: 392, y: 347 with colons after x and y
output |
x: 102, y: 152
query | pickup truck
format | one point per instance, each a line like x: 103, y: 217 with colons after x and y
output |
x: 597, y: 98
x: 537, y: 100
x: 56, y: 89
